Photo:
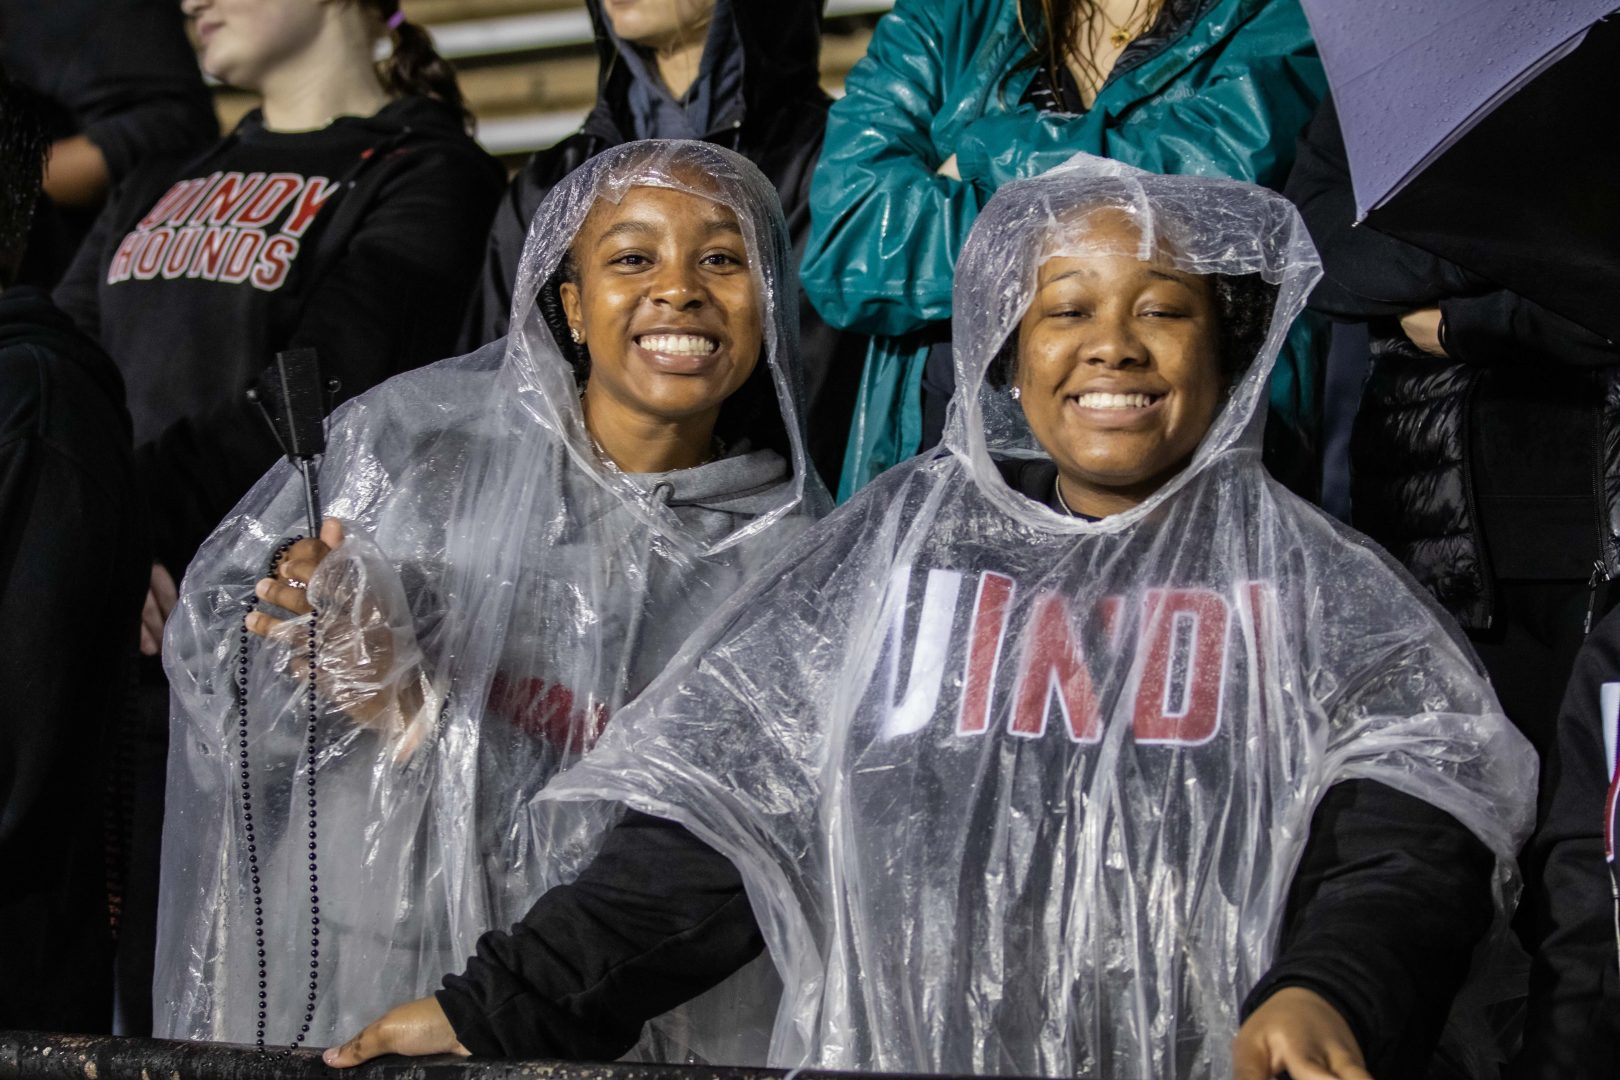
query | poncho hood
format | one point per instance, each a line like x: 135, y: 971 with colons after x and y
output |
x: 1208, y: 226
x: 1014, y: 793
x: 504, y: 589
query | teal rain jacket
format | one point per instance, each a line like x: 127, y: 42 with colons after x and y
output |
x: 1225, y: 95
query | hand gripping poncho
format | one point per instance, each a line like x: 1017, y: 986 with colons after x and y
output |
x: 1016, y: 793
x: 502, y: 583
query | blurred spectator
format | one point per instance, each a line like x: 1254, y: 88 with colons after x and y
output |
x: 1478, y: 457
x: 71, y: 576
x: 346, y: 214
x: 956, y: 97
x: 743, y: 75
x: 1568, y: 912
x: 122, y: 84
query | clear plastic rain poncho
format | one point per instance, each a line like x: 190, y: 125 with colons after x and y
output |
x: 1014, y: 792
x: 503, y: 591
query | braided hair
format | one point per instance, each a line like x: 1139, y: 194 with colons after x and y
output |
x: 415, y: 66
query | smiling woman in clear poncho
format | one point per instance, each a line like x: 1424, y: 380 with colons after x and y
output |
x: 1078, y: 748
x: 520, y: 540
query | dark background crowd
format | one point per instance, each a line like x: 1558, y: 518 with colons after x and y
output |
x: 155, y: 266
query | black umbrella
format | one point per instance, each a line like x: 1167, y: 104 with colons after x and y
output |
x: 1530, y: 197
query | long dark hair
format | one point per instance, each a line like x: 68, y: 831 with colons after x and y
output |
x: 415, y: 66
x: 1053, y: 26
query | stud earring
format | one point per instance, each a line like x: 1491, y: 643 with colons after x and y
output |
x: 579, y: 338
x: 1017, y: 393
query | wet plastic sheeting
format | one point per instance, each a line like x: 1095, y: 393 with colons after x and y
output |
x: 503, y: 593
x: 1017, y: 793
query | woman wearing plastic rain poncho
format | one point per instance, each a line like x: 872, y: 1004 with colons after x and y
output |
x: 514, y: 558
x: 1042, y: 780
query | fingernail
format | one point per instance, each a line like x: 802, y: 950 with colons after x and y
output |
x: 329, y: 1055
x: 261, y: 588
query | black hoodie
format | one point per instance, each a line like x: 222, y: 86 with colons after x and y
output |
x: 774, y: 115
x: 1570, y: 906
x: 360, y: 239
x: 72, y: 574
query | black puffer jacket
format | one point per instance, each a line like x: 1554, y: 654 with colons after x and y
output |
x: 776, y: 121
x: 1499, y: 461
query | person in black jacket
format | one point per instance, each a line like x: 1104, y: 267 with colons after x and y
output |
x: 71, y: 574
x: 1572, y: 1031
x: 739, y: 74
x: 1478, y: 456
x: 346, y: 215
x: 122, y: 85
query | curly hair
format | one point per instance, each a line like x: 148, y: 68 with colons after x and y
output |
x: 1243, y: 306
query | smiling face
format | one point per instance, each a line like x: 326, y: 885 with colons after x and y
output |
x: 239, y: 41
x: 1118, y: 371
x: 659, y: 24
x: 667, y: 305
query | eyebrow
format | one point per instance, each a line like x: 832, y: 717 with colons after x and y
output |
x: 1086, y: 272
x: 644, y: 228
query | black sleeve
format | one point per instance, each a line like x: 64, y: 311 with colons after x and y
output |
x: 68, y: 616
x: 1383, y: 915
x: 1501, y: 327
x: 78, y: 293
x: 390, y: 300
x: 491, y: 301
x: 1568, y: 916
x: 656, y: 919
x: 1365, y: 274
x: 133, y: 85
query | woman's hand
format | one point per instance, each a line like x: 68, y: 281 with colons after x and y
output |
x: 413, y: 1029
x: 369, y: 663
x: 1297, y: 1032
x: 1422, y: 328
x: 287, y: 588
x: 160, y: 599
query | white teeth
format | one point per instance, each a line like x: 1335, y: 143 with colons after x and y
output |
x: 1098, y: 400
x: 677, y: 344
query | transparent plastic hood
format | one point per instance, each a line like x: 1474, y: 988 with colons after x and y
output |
x: 504, y: 590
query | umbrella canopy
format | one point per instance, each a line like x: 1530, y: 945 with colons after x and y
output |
x: 1477, y: 136
x: 1411, y: 77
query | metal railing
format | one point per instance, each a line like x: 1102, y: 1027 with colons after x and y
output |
x: 29, y: 1055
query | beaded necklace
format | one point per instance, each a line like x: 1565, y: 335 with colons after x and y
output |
x: 247, y: 815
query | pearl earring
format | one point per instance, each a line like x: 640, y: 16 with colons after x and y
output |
x: 579, y: 338
x: 1017, y: 393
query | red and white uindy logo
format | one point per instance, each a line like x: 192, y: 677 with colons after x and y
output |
x: 218, y: 228
x: 1176, y: 673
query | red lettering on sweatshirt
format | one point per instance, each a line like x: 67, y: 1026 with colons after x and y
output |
x: 229, y: 196
x: 212, y: 228
x: 178, y: 259
x: 239, y: 263
x: 991, y: 609
x: 150, y: 257
x: 1179, y: 697
x: 548, y: 711
x: 122, y: 259
x: 210, y: 260
x: 277, y: 191
x: 317, y: 189
x: 275, y: 262
x: 1053, y: 668
x: 178, y: 198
